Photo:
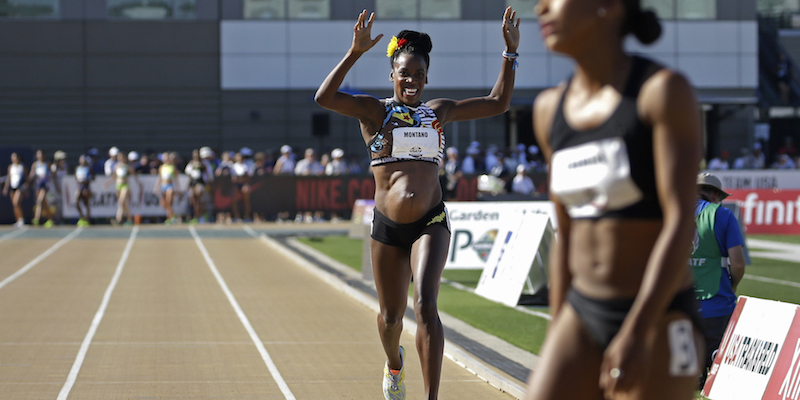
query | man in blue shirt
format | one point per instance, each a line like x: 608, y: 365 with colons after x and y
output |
x: 717, y: 260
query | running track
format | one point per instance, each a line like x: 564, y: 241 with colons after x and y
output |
x: 184, y: 313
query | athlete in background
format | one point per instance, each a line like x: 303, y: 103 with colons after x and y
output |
x: 405, y: 138
x: 16, y: 186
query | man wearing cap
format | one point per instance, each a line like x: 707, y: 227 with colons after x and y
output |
x: 108, y: 166
x: 337, y: 166
x: 285, y: 164
x: 717, y: 260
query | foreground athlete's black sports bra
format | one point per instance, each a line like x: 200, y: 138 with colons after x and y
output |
x: 607, y: 171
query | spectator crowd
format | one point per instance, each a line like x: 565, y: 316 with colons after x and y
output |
x: 508, y: 170
x: 786, y: 157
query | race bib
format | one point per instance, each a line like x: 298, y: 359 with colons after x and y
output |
x: 415, y: 142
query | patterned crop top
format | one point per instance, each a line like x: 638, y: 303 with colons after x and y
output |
x: 607, y: 171
x: 408, y: 134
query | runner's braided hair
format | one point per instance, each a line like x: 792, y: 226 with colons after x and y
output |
x: 641, y: 23
x: 418, y: 44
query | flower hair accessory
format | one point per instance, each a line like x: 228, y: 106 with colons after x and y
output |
x: 395, y: 44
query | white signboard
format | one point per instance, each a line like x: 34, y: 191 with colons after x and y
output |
x: 515, y: 251
x: 750, y: 349
x: 104, y: 197
x: 758, y: 179
x: 474, y: 226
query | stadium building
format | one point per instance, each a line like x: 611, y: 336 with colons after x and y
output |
x: 178, y: 74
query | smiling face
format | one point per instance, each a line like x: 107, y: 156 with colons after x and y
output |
x: 410, y: 74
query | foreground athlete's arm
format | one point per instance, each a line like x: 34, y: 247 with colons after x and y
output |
x: 560, y: 277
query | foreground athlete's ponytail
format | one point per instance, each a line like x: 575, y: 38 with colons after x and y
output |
x: 643, y: 24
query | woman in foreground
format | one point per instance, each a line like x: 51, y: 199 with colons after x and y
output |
x: 622, y: 139
x: 405, y: 140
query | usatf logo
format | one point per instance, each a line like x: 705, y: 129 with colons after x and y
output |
x: 750, y: 354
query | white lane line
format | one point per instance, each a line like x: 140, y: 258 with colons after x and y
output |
x: 13, y: 234
x: 273, y: 369
x: 76, y: 366
x: 41, y: 257
x: 770, y: 280
x: 771, y: 245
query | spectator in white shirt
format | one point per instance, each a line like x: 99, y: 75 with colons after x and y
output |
x: 308, y: 166
x: 721, y: 162
x: 108, y: 166
x: 468, y: 163
x: 337, y: 165
x: 285, y: 163
x: 783, y: 162
x: 522, y: 183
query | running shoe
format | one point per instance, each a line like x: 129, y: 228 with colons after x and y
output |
x: 20, y: 223
x: 35, y: 222
x: 394, y: 388
x: 49, y: 223
x: 83, y: 222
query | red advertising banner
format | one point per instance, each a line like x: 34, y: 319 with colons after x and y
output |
x: 771, y: 211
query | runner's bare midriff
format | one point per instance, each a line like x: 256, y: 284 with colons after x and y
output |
x: 603, y: 260
x: 405, y: 191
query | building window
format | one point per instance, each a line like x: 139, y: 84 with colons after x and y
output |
x: 524, y: 8
x: 440, y: 9
x: 152, y: 9
x: 777, y: 6
x: 29, y: 8
x: 264, y: 9
x: 697, y: 9
x: 665, y: 9
x: 396, y: 9
x: 309, y: 9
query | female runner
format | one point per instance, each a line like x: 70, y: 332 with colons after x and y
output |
x: 240, y: 177
x: 198, y: 179
x: 40, y: 172
x: 15, y: 186
x: 410, y: 231
x: 167, y: 182
x: 121, y: 174
x: 622, y: 139
x: 84, y: 177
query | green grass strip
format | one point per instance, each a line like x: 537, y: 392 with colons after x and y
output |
x: 528, y: 331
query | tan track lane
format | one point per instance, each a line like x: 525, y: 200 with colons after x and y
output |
x: 324, y: 343
x: 170, y: 333
x: 15, y: 253
x: 45, y: 313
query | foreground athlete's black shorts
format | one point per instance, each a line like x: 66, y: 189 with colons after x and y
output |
x: 400, y: 235
x: 603, y: 318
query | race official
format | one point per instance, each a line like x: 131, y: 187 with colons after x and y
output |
x: 718, y: 262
